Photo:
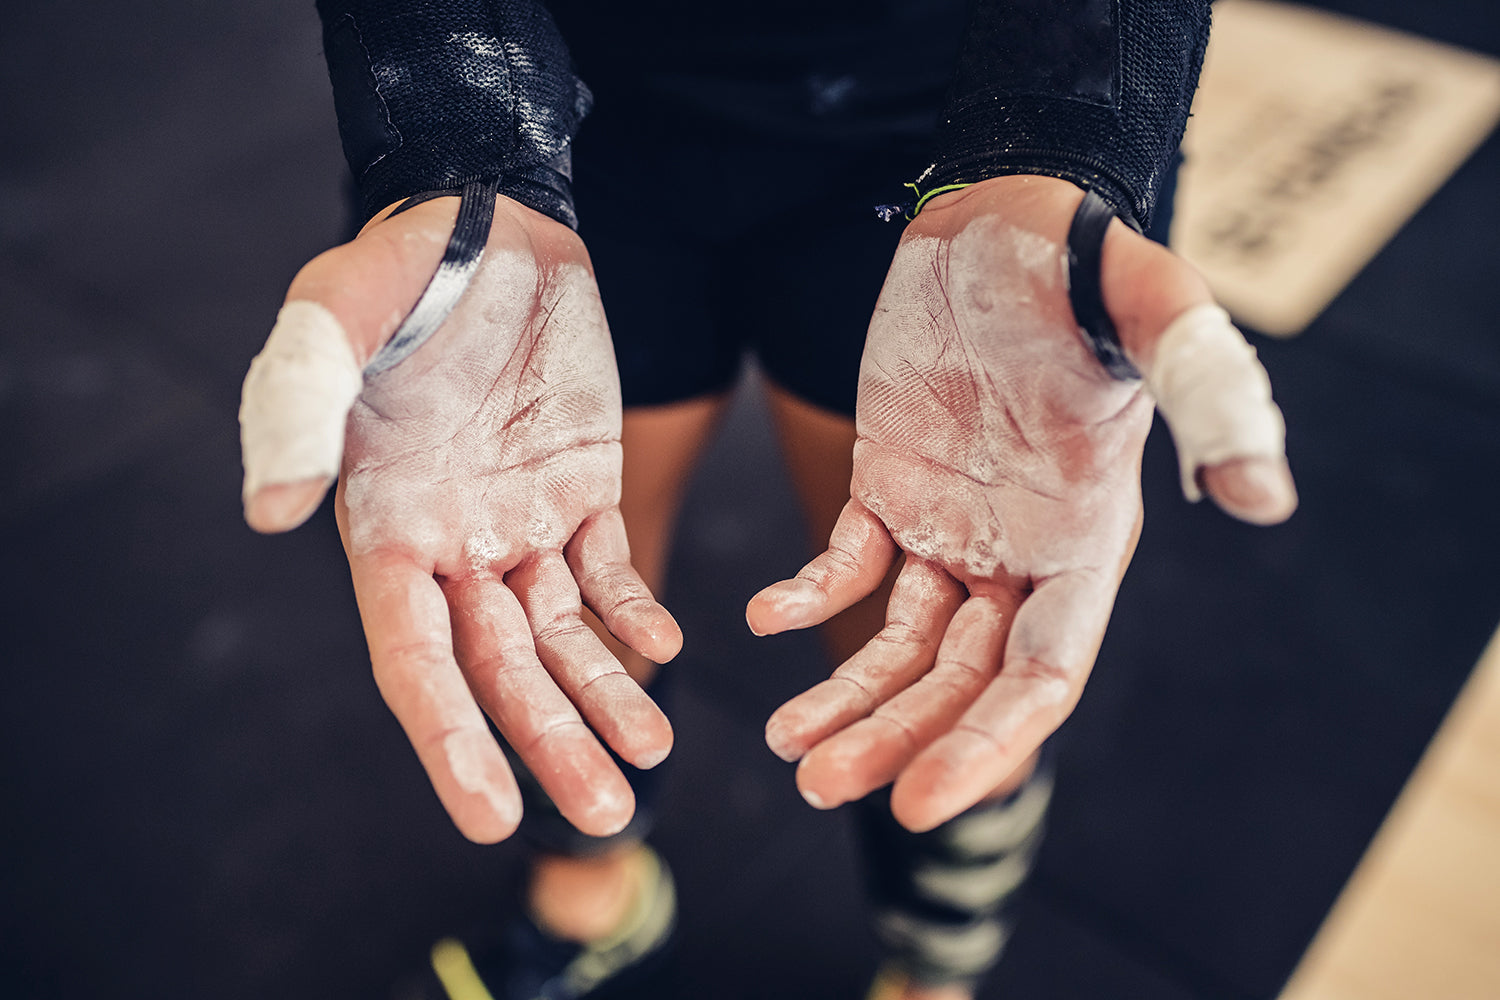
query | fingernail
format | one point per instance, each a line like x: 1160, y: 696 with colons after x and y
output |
x: 795, y: 602
x: 280, y: 506
x: 647, y: 761
x: 781, y: 746
x: 753, y: 630
x: 1260, y: 486
x: 814, y: 799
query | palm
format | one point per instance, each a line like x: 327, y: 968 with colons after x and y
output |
x: 1003, y: 463
x: 497, y: 439
x: 990, y: 442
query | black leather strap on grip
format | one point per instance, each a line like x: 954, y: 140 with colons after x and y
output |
x: 1085, y: 291
x: 455, y: 272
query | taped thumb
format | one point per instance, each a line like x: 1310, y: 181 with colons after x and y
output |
x: 1213, y: 394
x: 293, y: 407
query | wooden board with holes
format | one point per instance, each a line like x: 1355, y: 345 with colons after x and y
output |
x: 1313, y: 138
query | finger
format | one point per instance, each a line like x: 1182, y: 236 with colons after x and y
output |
x: 873, y: 751
x: 1257, y: 490
x: 492, y: 640
x: 293, y: 406
x: 922, y: 604
x: 1216, y: 399
x: 1051, y: 649
x: 599, y: 556
x: 340, y: 308
x: 406, y: 626
x: 860, y: 551
x: 613, y: 704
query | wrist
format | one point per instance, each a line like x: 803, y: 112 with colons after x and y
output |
x: 1010, y: 189
x: 460, y: 92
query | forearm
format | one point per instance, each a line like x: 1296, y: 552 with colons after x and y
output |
x: 434, y: 96
x: 1093, y: 91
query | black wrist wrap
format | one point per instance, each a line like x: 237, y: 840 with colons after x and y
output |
x: 1093, y: 91
x: 436, y: 95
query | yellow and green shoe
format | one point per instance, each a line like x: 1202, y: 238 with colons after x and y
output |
x: 527, y: 963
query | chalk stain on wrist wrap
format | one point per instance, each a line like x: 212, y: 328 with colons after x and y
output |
x: 301, y: 386
x: 1096, y: 92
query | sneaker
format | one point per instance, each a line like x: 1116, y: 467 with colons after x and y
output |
x: 527, y: 963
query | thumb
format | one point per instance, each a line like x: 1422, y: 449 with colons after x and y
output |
x: 341, y: 308
x: 1215, y: 397
x: 1210, y: 388
x: 295, y: 401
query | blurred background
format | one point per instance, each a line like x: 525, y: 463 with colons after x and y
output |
x: 203, y: 795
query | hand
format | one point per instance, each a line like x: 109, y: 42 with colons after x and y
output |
x: 997, y: 455
x: 477, y: 504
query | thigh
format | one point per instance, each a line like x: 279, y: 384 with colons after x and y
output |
x: 826, y: 263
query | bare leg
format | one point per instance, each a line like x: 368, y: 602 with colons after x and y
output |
x: 818, y: 446
x: 583, y: 899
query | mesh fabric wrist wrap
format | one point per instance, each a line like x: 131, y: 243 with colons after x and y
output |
x: 437, y: 95
x: 1093, y: 91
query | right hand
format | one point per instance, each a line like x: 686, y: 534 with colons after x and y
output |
x: 478, y: 507
x: 1001, y: 459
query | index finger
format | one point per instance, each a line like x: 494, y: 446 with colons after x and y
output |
x: 860, y: 552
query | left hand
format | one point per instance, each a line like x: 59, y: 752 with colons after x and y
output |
x: 997, y: 454
x: 478, y: 503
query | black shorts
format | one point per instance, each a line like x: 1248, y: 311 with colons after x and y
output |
x: 712, y: 247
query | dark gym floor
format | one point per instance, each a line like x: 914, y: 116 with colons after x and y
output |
x: 204, y: 796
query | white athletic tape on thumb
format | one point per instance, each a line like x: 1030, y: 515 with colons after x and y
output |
x: 296, y: 399
x: 1213, y: 394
